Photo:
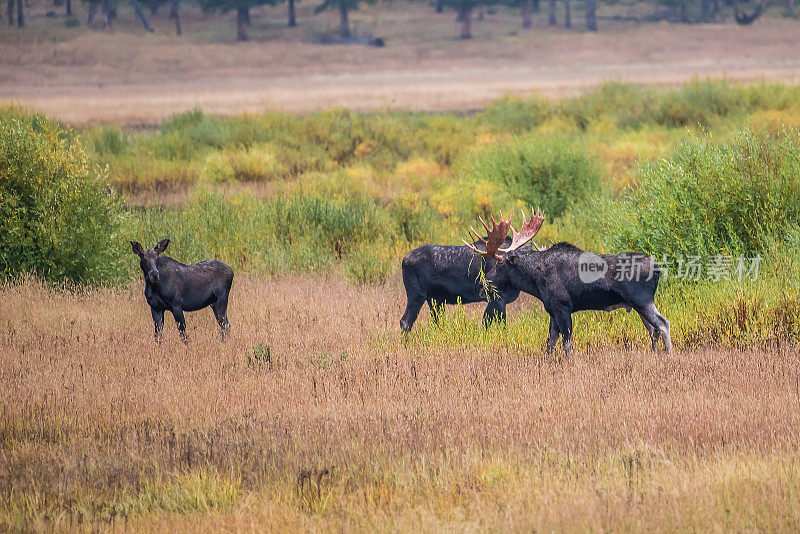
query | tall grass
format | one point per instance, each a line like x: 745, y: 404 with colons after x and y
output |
x: 342, y: 425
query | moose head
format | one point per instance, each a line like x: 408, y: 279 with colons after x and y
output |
x: 147, y: 259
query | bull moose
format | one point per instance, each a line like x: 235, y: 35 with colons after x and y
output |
x: 448, y: 274
x: 566, y: 279
x: 175, y: 287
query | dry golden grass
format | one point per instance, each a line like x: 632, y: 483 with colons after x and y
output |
x: 99, y: 425
x: 132, y: 78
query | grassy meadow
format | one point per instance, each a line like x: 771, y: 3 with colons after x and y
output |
x: 316, y: 414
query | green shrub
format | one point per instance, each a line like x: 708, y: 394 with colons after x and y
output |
x: 287, y: 233
x: 368, y: 264
x: 57, y: 215
x: 105, y: 140
x: 415, y: 218
x: 741, y: 198
x: 553, y: 172
x: 626, y: 105
x: 185, y: 134
x: 516, y: 115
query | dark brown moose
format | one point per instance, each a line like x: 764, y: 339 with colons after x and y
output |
x: 566, y: 279
x: 174, y: 287
x: 448, y: 274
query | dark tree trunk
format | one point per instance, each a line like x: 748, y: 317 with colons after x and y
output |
x: 465, y: 18
x: 292, y: 19
x: 153, y: 6
x: 175, y: 13
x: 91, y: 12
x: 551, y: 20
x: 20, y: 15
x: 591, y: 15
x: 439, y: 6
x: 683, y: 14
x: 69, y: 8
x: 344, y: 21
x: 10, y: 11
x: 242, y: 16
x: 535, y: 4
x: 567, y: 15
x: 106, y: 13
x: 716, y: 9
x: 527, y: 19
x: 789, y: 8
x: 137, y: 10
x: 482, y: 12
x: 705, y: 10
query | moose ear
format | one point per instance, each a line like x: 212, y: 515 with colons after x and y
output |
x: 512, y: 257
x: 137, y: 248
x: 162, y: 246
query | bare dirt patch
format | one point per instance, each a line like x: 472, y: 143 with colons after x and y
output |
x: 134, y: 79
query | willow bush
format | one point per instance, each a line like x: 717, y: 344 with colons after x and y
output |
x: 58, y: 216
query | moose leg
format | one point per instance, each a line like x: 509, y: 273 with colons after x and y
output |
x: 180, y: 320
x: 412, y: 311
x: 650, y: 313
x: 495, y: 311
x: 552, y: 338
x: 158, y: 321
x: 653, y: 331
x: 564, y: 321
x: 220, y: 310
x: 436, y: 310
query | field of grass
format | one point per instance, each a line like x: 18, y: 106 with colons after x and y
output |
x: 311, y: 417
x: 316, y: 414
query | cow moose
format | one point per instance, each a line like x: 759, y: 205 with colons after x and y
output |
x: 172, y: 286
x: 448, y: 274
x: 566, y: 280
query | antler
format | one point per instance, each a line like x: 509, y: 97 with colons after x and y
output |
x: 495, y: 236
x: 527, y: 232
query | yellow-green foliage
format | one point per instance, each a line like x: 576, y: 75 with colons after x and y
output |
x: 737, y: 198
x: 353, y: 192
x: 58, y: 216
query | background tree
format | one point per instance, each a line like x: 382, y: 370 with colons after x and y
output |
x: 567, y: 15
x: 242, y: 8
x: 551, y: 19
x: 10, y: 11
x: 290, y: 15
x: 140, y: 16
x: 108, y: 12
x: 464, y: 10
x: 175, y: 14
x: 20, y: 15
x: 527, y: 13
x: 591, y: 15
x: 344, y: 7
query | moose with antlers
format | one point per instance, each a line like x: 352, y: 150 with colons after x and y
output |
x: 446, y: 274
x: 172, y: 286
x: 566, y: 279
